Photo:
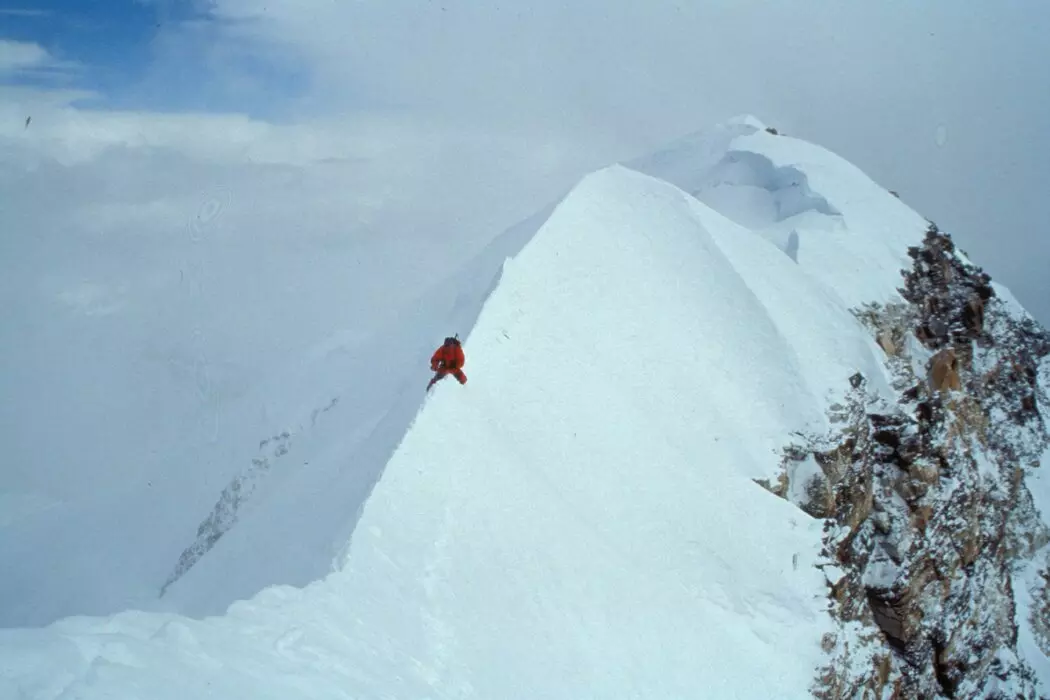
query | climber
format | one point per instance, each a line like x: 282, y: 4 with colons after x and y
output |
x: 448, y: 359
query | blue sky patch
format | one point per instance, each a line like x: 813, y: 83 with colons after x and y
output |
x: 165, y: 56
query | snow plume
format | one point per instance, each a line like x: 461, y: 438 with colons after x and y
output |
x: 582, y: 518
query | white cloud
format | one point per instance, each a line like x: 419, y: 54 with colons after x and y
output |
x: 882, y: 84
x: 83, y: 173
x: 447, y: 91
x: 29, y: 58
x: 19, y: 55
x: 16, y: 12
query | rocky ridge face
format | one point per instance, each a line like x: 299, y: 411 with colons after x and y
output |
x: 929, y: 521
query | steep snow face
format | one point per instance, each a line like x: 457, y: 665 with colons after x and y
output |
x: 289, y: 515
x: 583, y: 508
x: 205, y: 413
x: 580, y: 519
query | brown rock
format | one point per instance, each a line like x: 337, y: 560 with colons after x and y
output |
x: 973, y: 314
x: 885, y: 341
x: 944, y: 371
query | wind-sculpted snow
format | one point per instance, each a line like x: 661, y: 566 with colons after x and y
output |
x: 786, y: 189
x: 846, y: 230
x: 582, y: 518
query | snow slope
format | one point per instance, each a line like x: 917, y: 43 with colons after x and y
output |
x: 579, y: 520
x: 150, y: 373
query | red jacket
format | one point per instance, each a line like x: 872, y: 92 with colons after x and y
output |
x: 448, y: 358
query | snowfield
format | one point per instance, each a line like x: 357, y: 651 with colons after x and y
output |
x: 581, y: 518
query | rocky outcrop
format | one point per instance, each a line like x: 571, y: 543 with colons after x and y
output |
x: 238, y: 492
x: 944, y: 371
x: 928, y: 517
x: 1041, y: 612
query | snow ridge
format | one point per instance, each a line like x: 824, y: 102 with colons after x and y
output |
x: 582, y: 519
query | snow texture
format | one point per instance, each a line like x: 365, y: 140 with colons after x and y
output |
x: 579, y: 520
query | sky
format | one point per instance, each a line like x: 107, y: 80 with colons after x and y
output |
x: 445, y: 121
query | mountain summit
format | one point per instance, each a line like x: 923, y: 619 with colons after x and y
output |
x: 740, y: 424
